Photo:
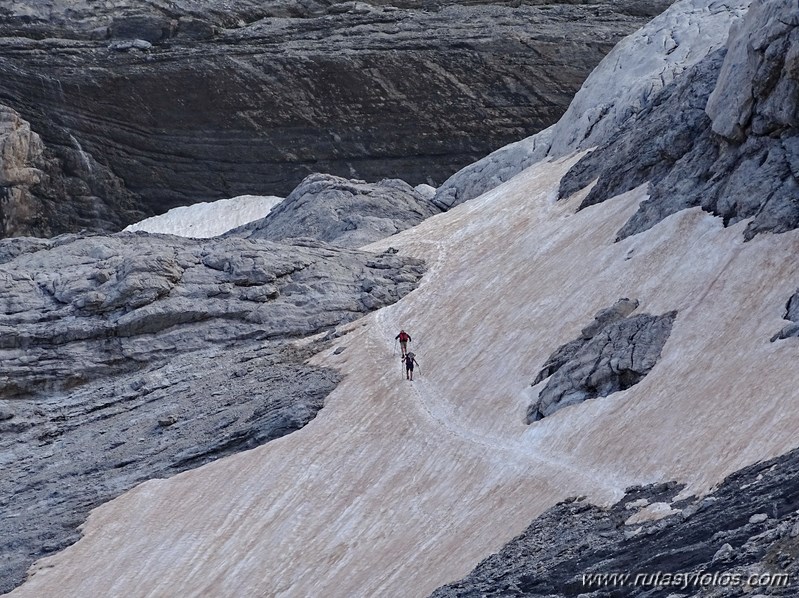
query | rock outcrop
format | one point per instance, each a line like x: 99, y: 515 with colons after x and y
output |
x: 616, y: 351
x: 195, y: 101
x: 724, y: 136
x: 740, y: 540
x: 346, y: 213
x: 625, y: 83
x: 791, y: 314
x: 134, y: 356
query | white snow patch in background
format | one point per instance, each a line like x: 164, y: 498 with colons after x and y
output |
x: 203, y: 220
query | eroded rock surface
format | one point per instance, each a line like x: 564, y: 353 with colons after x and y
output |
x: 86, y: 307
x: 198, y: 100
x: 135, y: 356
x: 346, y: 213
x: 792, y: 314
x: 613, y: 353
x: 740, y: 540
x: 724, y: 136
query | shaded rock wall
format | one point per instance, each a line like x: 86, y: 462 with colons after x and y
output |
x: 43, y: 194
x: 725, y: 136
x: 185, y: 103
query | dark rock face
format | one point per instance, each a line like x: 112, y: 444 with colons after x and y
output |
x: 613, y: 353
x: 343, y: 212
x: 42, y: 194
x: 135, y: 356
x: 746, y: 530
x: 193, y: 101
x: 792, y: 314
x: 725, y: 136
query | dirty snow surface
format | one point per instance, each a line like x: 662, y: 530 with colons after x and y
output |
x: 399, y: 487
x: 203, y: 220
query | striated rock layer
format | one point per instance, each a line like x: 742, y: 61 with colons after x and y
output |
x: 185, y: 103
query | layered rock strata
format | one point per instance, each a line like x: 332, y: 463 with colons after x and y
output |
x: 740, y: 540
x: 616, y: 351
x: 85, y: 307
x: 346, y: 213
x: 135, y: 356
x: 724, y: 136
x: 193, y: 101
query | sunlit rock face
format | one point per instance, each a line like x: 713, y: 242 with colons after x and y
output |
x: 195, y: 101
x: 627, y: 82
x: 724, y: 136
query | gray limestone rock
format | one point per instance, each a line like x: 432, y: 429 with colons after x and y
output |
x: 721, y: 136
x: 613, y: 354
x: 87, y: 307
x: 621, y: 309
x: 247, y: 97
x: 343, y: 212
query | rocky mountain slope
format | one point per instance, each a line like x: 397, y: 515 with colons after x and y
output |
x: 137, y: 356
x: 670, y: 412
x: 141, y: 108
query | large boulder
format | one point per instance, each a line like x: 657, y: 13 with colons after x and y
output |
x: 347, y: 213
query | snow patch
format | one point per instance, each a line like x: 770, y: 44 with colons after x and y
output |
x: 209, y: 219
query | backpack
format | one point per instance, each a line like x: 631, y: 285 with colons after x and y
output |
x: 403, y: 336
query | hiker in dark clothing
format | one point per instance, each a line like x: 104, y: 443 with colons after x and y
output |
x: 409, y: 359
x: 404, y: 338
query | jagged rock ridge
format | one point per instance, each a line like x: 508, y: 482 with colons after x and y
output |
x: 744, y: 531
x: 201, y: 105
x: 724, y: 136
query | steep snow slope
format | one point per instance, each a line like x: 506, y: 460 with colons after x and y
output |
x: 203, y: 220
x: 375, y: 495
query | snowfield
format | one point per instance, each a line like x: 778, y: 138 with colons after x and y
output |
x: 396, y: 487
x: 203, y: 220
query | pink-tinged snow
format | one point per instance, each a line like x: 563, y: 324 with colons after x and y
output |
x: 203, y: 220
x: 398, y: 487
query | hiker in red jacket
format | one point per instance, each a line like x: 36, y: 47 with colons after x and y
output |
x: 404, y: 339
